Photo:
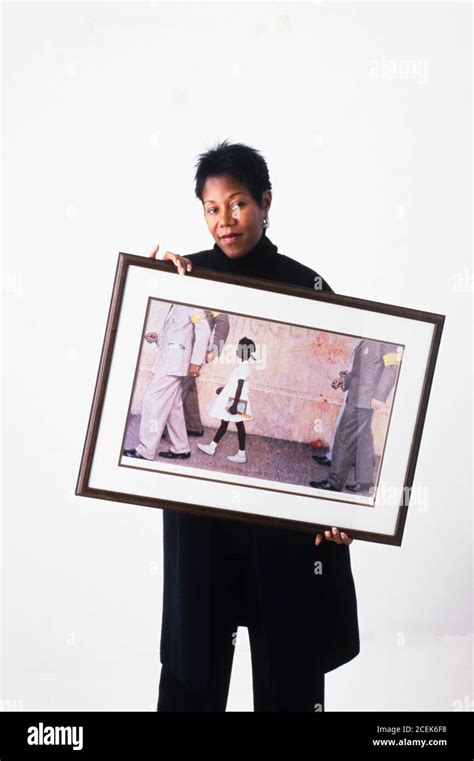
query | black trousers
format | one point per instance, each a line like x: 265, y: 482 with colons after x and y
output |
x: 278, y: 687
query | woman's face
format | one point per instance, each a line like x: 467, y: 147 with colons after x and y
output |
x: 234, y: 219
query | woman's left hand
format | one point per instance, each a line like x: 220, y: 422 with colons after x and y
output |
x: 233, y: 410
x: 333, y: 536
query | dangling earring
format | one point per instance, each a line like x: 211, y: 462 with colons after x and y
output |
x: 266, y: 223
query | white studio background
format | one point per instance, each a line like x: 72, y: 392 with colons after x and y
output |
x: 363, y: 111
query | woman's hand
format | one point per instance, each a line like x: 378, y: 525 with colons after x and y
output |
x: 181, y: 262
x: 333, y: 536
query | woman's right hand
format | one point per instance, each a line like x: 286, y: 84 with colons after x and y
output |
x: 181, y: 262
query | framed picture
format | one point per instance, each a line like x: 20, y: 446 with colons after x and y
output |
x: 248, y: 399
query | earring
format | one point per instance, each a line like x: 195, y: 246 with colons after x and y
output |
x: 266, y: 223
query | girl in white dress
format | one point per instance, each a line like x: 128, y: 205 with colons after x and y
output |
x: 232, y: 403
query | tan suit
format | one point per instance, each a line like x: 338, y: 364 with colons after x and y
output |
x: 182, y: 340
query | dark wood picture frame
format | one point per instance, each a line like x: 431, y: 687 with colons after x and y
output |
x: 125, y: 261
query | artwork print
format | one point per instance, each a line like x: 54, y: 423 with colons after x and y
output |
x: 219, y: 394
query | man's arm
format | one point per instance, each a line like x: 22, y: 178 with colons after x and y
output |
x: 389, y: 375
x: 346, y: 380
x: 221, y: 331
x: 202, y: 332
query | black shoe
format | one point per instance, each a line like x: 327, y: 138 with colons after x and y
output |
x: 175, y: 455
x: 195, y: 433
x: 133, y: 453
x: 321, y: 459
x: 355, y: 488
x: 323, y: 485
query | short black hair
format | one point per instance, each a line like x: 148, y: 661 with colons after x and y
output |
x: 248, y: 345
x: 236, y: 160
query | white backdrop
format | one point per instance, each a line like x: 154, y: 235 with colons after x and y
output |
x: 362, y: 111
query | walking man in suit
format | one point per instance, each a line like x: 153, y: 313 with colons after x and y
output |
x: 325, y: 459
x: 219, y: 327
x: 369, y: 382
x: 182, y: 340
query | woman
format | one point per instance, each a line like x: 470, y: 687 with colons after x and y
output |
x: 294, y: 592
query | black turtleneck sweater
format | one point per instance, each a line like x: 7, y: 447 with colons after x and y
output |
x: 263, y: 261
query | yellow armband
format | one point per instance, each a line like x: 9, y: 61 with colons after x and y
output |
x: 197, y: 317
x: 391, y: 359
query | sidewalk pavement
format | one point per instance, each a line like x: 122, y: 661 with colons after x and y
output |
x: 268, y: 458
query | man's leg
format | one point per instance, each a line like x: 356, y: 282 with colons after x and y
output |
x: 364, y: 470
x: 336, y: 426
x: 345, y: 446
x: 175, y: 424
x: 158, y: 400
x: 192, y: 413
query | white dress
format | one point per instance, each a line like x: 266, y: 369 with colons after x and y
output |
x: 218, y: 408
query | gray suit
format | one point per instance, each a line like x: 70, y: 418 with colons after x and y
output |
x: 372, y: 376
x: 373, y: 373
x: 219, y: 327
x: 182, y: 340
